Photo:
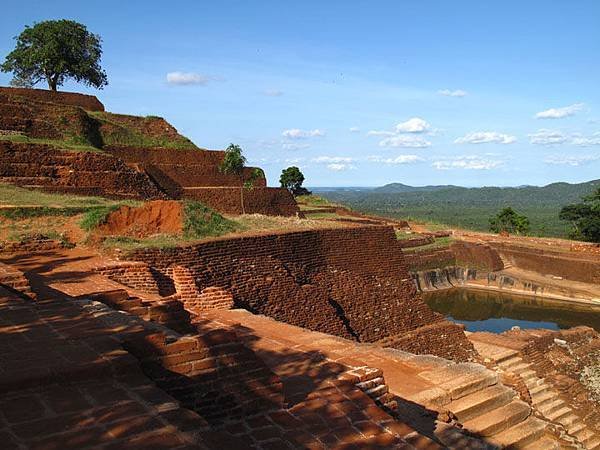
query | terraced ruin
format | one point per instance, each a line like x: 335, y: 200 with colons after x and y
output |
x: 295, y: 326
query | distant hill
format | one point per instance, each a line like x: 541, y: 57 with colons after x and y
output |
x: 393, y: 188
x: 469, y: 207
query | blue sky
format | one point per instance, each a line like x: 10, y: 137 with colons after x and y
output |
x: 359, y: 93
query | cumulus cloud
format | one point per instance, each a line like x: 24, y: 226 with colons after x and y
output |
x: 571, y: 160
x: 584, y: 141
x: 296, y: 133
x: 380, y: 133
x: 187, y: 78
x: 486, y: 137
x: 332, y: 159
x: 400, y: 159
x: 406, y: 141
x: 273, y: 93
x: 468, y: 163
x: 354, y: 129
x: 559, y: 113
x: 452, y: 93
x: 340, y: 167
x: 548, y: 137
x: 294, y: 146
x: 413, y: 125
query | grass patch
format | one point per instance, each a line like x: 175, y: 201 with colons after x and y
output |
x: 96, y: 216
x: 201, y: 221
x: 314, y: 200
x: 75, y: 145
x: 439, y: 243
x: 130, y: 243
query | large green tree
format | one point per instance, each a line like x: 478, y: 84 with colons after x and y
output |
x: 509, y: 221
x: 54, y: 51
x: 584, y: 217
x: 292, y: 179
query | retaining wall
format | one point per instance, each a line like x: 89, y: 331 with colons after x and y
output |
x: 572, y: 266
x: 350, y: 282
x: 87, y: 102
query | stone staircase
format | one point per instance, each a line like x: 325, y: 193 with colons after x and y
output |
x: 505, y: 262
x: 545, y: 401
x: 487, y: 410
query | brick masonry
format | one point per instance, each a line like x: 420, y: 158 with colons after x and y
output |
x: 87, y: 102
x: 349, y: 282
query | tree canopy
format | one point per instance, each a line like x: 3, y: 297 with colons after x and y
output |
x: 292, y: 179
x: 54, y: 51
x: 584, y: 217
x: 509, y: 221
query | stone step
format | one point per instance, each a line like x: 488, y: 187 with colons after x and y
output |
x: 544, y: 443
x: 511, y: 362
x: 550, y: 406
x: 556, y: 415
x: 569, y: 420
x: 583, y: 433
x: 592, y: 443
x: 518, y: 368
x: 467, y: 384
x: 542, y: 397
x: 538, y: 389
x: 533, y: 382
x: 528, y: 374
x: 520, y: 435
x: 480, y: 402
x: 498, y: 419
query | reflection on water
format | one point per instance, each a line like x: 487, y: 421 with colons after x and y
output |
x: 498, y: 312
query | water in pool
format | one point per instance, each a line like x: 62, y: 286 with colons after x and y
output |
x: 497, y: 312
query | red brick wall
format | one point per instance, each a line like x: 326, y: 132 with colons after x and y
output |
x: 477, y: 256
x: 185, y: 167
x: 195, y: 301
x: 72, y: 172
x: 14, y: 279
x: 87, y: 102
x: 349, y: 282
x: 135, y: 275
x: 415, y: 242
x: 572, y: 266
x: 429, y: 259
x: 268, y: 201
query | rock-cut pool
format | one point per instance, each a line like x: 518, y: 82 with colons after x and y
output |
x: 497, y: 311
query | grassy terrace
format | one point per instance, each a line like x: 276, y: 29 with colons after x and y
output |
x: 60, y: 144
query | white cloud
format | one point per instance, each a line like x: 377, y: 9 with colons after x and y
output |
x: 187, y: 78
x: 400, y: 159
x: 548, y: 137
x: 294, y: 146
x: 407, y: 141
x: 454, y: 93
x: 354, y: 129
x: 273, y: 93
x: 339, y: 167
x: 467, y: 162
x: 380, y: 133
x: 584, y: 141
x: 332, y: 159
x: 296, y: 133
x: 559, y: 113
x: 485, y: 137
x: 571, y: 160
x: 413, y: 125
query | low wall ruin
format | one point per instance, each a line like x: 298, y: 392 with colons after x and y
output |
x: 87, y: 102
x: 350, y: 282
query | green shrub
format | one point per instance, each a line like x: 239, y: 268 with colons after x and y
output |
x: 200, y: 221
x: 97, y: 216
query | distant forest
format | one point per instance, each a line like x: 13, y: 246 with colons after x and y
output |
x: 468, y: 208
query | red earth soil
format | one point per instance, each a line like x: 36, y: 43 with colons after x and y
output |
x: 156, y: 217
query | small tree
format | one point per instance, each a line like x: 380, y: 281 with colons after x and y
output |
x: 292, y: 179
x: 233, y: 164
x: 584, y: 218
x: 509, y: 221
x: 55, y: 50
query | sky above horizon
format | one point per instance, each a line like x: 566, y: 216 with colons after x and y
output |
x: 358, y: 93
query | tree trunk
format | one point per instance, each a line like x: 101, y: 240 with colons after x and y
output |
x: 52, y: 82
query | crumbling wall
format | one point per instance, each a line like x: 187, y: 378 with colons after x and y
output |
x: 81, y: 173
x: 476, y: 255
x: 87, y: 102
x: 350, y: 282
x: 187, y: 168
x: 434, y: 258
